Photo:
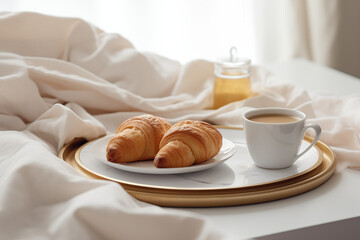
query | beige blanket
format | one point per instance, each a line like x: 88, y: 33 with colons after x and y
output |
x: 62, y: 78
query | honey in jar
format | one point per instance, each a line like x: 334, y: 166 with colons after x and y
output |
x: 232, y: 82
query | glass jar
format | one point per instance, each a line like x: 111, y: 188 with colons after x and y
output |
x: 232, y: 82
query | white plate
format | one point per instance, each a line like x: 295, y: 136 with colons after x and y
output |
x: 98, y: 149
x: 238, y: 171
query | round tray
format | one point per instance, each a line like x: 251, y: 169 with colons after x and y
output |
x: 215, y: 196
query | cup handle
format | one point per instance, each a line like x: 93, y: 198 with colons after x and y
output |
x: 317, y: 130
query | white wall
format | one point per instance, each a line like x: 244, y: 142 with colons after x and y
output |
x: 178, y: 29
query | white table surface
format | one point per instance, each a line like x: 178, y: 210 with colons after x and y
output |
x: 335, y: 200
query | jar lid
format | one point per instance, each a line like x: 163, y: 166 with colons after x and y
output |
x: 232, y: 61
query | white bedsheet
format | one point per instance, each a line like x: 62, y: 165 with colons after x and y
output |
x: 62, y: 78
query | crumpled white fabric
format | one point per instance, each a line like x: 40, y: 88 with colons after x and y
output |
x: 62, y: 78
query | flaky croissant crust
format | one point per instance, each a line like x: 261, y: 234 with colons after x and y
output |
x: 188, y: 142
x: 137, y: 138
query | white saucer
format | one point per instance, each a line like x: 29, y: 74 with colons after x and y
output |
x: 98, y: 150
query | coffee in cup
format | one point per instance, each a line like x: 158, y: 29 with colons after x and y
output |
x: 274, y: 118
x: 274, y: 136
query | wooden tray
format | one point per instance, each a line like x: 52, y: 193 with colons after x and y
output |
x: 188, y: 197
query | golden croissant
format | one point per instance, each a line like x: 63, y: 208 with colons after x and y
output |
x: 137, y: 138
x: 187, y: 143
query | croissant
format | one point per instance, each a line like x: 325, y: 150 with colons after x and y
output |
x: 137, y: 138
x: 186, y: 143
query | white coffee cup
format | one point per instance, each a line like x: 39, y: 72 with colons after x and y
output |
x: 274, y: 143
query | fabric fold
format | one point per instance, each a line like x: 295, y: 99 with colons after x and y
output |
x: 43, y: 197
